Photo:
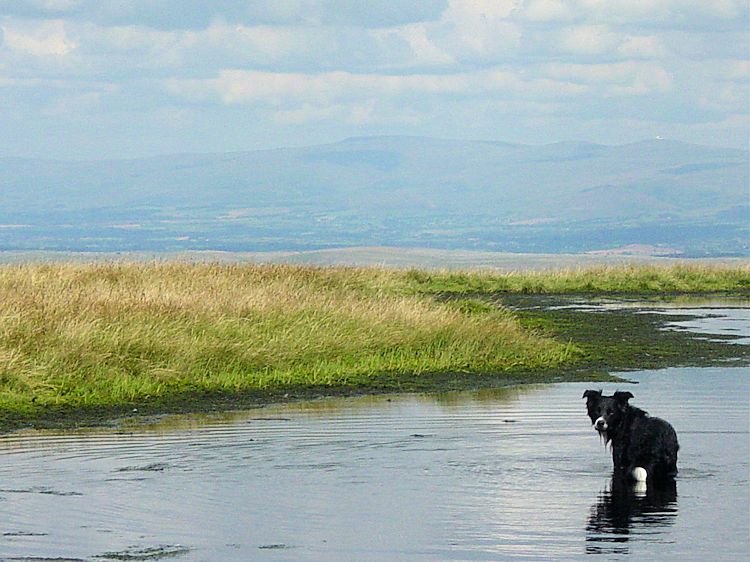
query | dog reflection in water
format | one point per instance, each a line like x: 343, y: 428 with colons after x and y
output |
x: 620, y: 515
x: 642, y: 494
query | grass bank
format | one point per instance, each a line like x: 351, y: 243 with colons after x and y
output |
x: 606, y: 280
x: 89, y: 340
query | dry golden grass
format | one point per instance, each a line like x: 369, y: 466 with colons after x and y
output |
x: 104, y: 334
x: 110, y: 334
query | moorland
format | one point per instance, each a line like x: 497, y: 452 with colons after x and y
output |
x: 83, y: 343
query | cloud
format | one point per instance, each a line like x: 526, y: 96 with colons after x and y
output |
x: 601, y: 41
x: 475, y: 32
x: 696, y: 14
x: 547, y: 10
x: 299, y: 90
x: 531, y: 70
x: 614, y: 79
x: 588, y: 39
x: 39, y: 39
x: 277, y: 89
x: 719, y: 86
x: 411, y: 45
x: 477, y: 28
x: 642, y: 46
x: 198, y: 14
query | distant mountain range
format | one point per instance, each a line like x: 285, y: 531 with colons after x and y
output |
x: 655, y: 196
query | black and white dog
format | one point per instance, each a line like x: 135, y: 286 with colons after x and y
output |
x: 643, y: 447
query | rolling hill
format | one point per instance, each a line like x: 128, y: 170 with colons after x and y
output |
x: 673, y: 197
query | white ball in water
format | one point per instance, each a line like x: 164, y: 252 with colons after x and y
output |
x: 640, y: 474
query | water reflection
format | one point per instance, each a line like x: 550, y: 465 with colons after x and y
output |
x: 621, y: 513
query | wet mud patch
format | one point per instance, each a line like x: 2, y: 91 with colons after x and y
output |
x: 160, y: 552
x: 279, y: 546
x: 39, y: 490
x: 628, y: 333
x: 152, y: 467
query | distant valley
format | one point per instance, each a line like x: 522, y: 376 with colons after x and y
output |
x: 655, y: 197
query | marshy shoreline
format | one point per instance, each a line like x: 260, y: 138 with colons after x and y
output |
x: 85, y: 344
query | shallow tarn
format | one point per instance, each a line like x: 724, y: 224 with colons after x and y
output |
x: 511, y: 473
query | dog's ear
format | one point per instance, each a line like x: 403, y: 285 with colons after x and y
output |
x: 622, y: 396
x: 592, y: 394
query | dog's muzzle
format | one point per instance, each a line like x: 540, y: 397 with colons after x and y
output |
x: 600, y: 425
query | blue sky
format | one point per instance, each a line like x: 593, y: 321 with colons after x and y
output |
x: 97, y: 79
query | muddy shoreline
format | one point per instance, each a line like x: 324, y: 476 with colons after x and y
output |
x: 624, y: 335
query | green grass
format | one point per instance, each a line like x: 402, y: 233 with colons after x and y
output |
x: 100, y: 335
x: 606, y: 280
x: 106, y: 336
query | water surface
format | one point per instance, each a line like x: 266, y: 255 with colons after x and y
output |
x: 488, y: 475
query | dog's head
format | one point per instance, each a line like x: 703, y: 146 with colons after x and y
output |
x: 606, y: 411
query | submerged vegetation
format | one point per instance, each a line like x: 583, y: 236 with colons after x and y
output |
x: 100, y: 339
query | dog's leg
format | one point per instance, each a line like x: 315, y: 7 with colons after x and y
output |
x: 640, y: 474
x: 640, y: 486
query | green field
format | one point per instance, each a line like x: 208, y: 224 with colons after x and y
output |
x: 89, y: 341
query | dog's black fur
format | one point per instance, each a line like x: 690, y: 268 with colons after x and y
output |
x: 638, y: 440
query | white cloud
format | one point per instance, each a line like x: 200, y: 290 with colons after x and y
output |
x: 305, y: 114
x: 668, y: 13
x: 588, y: 39
x: 276, y: 89
x: 546, y: 10
x: 468, y: 31
x: 718, y: 86
x: 43, y: 39
x: 737, y: 70
x: 152, y: 47
x: 423, y: 50
x: 321, y: 68
x: 642, y: 47
x: 620, y: 78
x: 309, y: 94
x: 362, y: 114
x: 74, y: 103
x: 599, y: 39
x: 482, y: 26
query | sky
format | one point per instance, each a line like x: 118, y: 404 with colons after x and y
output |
x: 95, y: 79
